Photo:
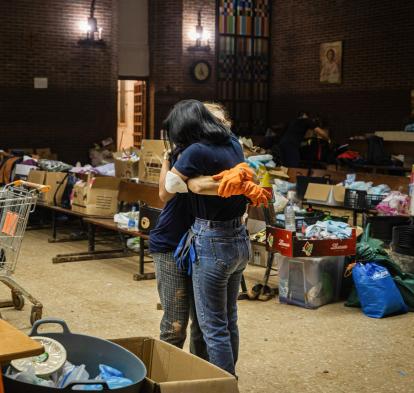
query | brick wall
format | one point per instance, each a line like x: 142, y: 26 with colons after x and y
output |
x: 171, y: 22
x: 39, y: 39
x: 378, y: 62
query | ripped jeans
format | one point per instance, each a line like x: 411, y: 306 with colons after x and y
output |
x: 177, y: 300
x: 223, y: 250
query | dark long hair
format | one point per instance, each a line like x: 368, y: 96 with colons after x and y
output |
x: 190, y: 122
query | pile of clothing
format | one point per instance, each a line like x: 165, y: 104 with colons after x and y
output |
x: 367, y: 186
x: 395, y: 204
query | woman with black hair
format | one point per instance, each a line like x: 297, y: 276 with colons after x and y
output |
x: 221, y: 241
x: 174, y: 286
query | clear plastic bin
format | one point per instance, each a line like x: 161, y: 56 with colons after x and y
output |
x: 310, y: 282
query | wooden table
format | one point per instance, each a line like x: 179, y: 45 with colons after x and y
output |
x: 15, y: 345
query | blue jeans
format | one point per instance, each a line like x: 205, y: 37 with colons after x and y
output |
x: 223, y: 250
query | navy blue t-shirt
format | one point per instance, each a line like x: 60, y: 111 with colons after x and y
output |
x: 206, y: 159
x: 175, y: 220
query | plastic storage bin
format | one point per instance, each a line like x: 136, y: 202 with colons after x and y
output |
x: 361, y: 200
x: 309, y: 218
x: 310, y: 282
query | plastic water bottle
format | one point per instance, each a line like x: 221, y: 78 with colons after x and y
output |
x: 131, y: 220
x: 290, y: 218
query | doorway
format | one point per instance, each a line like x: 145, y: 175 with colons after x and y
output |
x: 132, y: 113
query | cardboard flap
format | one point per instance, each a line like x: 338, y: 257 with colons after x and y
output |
x: 228, y: 385
x: 172, y: 370
x: 170, y: 365
x: 106, y: 182
x: 318, y: 192
x: 339, y: 193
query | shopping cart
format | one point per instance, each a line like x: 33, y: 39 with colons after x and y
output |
x: 17, y: 201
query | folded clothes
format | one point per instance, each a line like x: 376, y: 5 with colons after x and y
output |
x: 367, y: 186
x: 379, y: 190
x: 360, y: 185
x: 328, y: 230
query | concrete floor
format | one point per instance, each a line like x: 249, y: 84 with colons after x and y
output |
x: 284, y: 348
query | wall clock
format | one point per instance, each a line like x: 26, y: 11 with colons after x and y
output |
x: 201, y: 71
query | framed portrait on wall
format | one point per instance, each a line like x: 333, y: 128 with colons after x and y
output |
x: 330, y: 55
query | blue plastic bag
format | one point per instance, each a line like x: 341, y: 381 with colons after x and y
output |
x: 377, y: 291
x: 113, y: 377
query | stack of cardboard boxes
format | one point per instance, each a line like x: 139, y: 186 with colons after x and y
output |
x: 98, y: 196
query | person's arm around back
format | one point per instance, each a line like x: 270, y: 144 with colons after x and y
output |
x: 164, y: 195
x: 204, y: 185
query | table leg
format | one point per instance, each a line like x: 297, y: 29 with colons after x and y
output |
x: 141, y: 275
x: 269, y: 266
x: 91, y: 237
x: 355, y: 218
x: 54, y: 230
x: 243, y: 284
x: 141, y: 255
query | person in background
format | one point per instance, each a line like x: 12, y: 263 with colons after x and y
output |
x: 174, y: 286
x: 292, y: 138
x: 409, y: 125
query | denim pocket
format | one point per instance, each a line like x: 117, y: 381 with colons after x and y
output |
x: 226, y: 252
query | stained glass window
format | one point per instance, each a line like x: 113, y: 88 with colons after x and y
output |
x: 244, y: 61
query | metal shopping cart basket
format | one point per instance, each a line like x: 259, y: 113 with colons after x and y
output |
x: 17, y: 201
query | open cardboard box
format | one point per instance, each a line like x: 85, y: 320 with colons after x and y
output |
x: 172, y: 370
x: 286, y: 243
x: 126, y: 168
x: 98, y: 196
x: 325, y: 194
x: 150, y: 160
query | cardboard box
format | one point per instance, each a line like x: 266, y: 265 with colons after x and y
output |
x: 325, y: 194
x: 286, y: 243
x: 57, y: 182
x: 171, y: 370
x: 150, y: 161
x: 98, y: 196
x: 126, y: 168
x: 259, y: 255
x: 37, y: 177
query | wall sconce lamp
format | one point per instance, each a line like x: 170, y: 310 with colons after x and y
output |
x: 92, y: 33
x: 200, y: 37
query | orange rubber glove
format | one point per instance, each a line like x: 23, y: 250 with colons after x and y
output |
x: 232, y: 180
x: 257, y: 195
